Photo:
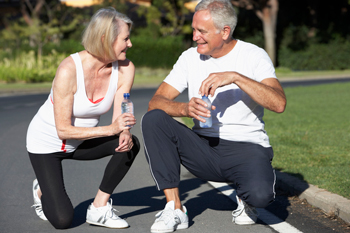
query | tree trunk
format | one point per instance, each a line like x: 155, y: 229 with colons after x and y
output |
x: 267, y: 12
x: 268, y: 16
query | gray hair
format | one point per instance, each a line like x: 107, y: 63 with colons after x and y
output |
x: 105, y: 23
x: 222, y: 12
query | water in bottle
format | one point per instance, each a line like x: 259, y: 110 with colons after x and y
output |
x: 127, y: 105
x: 208, y: 120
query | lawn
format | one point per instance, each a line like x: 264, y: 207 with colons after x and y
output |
x: 311, y: 139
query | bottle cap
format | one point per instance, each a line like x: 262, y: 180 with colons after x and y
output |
x: 126, y: 95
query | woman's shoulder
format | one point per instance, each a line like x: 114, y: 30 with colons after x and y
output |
x: 66, y: 73
x: 67, y: 65
x: 126, y: 66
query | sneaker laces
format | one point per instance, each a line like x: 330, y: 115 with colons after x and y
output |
x: 166, y: 216
x: 111, y: 212
x: 38, y: 207
x: 249, y: 210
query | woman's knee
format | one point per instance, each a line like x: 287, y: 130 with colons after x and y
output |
x: 59, y: 213
x: 61, y: 219
x: 63, y: 222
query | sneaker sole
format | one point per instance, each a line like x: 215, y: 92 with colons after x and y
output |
x: 182, y: 226
x: 179, y: 227
x: 245, y: 223
x: 102, y: 225
x: 162, y: 231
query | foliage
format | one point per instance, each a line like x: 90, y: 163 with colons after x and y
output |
x: 27, y: 68
x: 169, y: 17
x: 38, y: 28
x: 119, y: 5
x: 303, y: 55
x: 155, y: 53
x: 17, y: 65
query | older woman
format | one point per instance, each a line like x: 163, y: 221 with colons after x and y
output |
x: 85, y: 86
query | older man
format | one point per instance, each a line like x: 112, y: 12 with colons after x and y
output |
x: 239, y: 79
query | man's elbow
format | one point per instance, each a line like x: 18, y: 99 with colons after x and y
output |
x: 280, y: 108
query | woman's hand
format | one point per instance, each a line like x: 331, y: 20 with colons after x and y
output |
x: 125, y: 142
x: 123, y: 122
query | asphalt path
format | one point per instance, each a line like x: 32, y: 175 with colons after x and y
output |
x: 136, y: 198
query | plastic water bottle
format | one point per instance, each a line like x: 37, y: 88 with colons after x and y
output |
x: 208, y: 121
x: 127, y: 105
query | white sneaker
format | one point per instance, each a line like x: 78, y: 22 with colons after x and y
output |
x: 169, y: 219
x: 37, y: 202
x: 244, y: 214
x: 105, y: 216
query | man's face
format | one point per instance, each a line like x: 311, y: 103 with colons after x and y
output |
x: 209, y: 39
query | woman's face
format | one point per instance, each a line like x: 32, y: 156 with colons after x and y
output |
x: 122, y: 43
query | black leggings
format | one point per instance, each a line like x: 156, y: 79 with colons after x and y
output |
x: 56, y: 204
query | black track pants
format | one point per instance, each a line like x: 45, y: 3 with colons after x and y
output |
x: 57, y: 206
x: 169, y: 143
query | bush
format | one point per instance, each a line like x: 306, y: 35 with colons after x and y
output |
x: 65, y: 46
x: 26, y: 68
x: 22, y: 65
x: 331, y: 56
x: 155, y: 53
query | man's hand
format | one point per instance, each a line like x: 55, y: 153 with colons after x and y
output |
x: 215, y: 80
x: 196, y: 108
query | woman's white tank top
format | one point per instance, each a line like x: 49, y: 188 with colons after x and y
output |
x: 42, y: 134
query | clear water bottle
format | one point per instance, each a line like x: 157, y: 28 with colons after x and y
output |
x: 208, y: 121
x: 127, y: 105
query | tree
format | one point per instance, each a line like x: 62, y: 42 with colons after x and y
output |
x: 169, y: 16
x: 42, y: 21
x: 266, y: 11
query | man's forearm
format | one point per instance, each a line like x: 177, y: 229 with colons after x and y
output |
x: 171, y: 107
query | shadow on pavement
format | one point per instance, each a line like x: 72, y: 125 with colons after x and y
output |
x: 151, y: 200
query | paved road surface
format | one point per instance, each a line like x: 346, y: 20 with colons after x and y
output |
x: 136, y: 197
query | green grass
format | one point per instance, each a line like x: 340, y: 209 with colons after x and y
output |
x: 287, y: 73
x: 311, y: 139
x: 146, y: 76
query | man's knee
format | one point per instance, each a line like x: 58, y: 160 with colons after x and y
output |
x: 260, y: 196
x: 153, y: 116
x: 154, y: 119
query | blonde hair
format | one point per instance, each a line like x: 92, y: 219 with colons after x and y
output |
x: 102, y: 31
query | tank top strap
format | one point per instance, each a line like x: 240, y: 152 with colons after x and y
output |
x: 114, y: 75
x: 79, y: 69
x: 79, y: 73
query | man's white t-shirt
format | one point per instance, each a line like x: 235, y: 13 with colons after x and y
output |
x: 236, y: 117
